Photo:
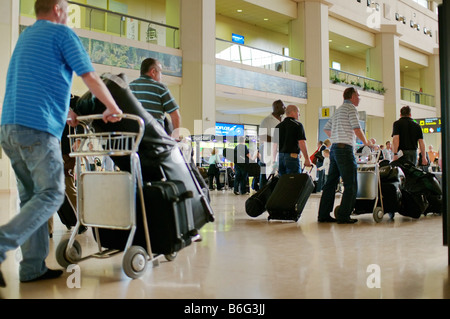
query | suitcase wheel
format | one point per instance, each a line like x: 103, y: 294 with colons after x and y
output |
x: 134, y: 262
x: 66, y: 257
x: 171, y: 257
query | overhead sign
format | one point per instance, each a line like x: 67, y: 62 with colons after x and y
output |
x: 228, y: 129
x: 430, y: 125
x: 237, y: 38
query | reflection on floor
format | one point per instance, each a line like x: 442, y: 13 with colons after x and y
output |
x: 242, y: 257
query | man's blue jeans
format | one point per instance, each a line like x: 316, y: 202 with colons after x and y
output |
x: 288, y: 164
x: 37, y: 162
x: 342, y: 164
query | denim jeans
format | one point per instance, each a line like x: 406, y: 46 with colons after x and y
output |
x: 288, y: 164
x: 342, y: 164
x: 240, y: 180
x: 37, y: 162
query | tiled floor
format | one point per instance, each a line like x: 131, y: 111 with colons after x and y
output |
x: 241, y: 257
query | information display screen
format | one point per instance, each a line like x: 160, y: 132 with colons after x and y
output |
x: 430, y: 125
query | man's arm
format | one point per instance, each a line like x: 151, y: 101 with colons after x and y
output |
x: 175, y: 116
x: 100, y: 91
x: 422, y: 151
x: 395, y: 144
x: 360, y: 134
x: 304, y: 150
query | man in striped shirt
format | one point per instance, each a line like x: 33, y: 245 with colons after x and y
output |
x: 154, y: 96
x: 35, y: 110
x: 342, y: 128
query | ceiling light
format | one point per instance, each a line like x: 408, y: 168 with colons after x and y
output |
x: 239, y: 10
x: 266, y: 19
x: 347, y: 46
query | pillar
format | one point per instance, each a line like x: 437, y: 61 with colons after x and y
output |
x: 197, y: 38
x: 9, y: 29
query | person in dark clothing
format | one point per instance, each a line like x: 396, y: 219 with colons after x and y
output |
x: 241, y: 160
x: 290, y: 139
x: 406, y: 134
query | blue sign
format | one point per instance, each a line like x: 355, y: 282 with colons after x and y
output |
x: 228, y: 129
x: 237, y: 38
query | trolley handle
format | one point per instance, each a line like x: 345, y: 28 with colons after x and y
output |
x: 86, y: 120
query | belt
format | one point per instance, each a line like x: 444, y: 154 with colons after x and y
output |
x: 342, y: 145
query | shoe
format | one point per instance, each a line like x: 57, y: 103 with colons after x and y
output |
x: 236, y: 193
x: 220, y: 189
x: 328, y: 219
x: 347, y: 221
x: 2, y: 280
x: 49, y: 274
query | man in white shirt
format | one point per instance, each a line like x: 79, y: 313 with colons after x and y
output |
x: 266, y: 132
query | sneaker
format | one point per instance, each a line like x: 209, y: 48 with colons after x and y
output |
x: 49, y: 274
x: 236, y: 193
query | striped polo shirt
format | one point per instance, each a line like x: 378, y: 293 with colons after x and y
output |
x: 342, y: 123
x: 154, y: 96
x: 40, y: 74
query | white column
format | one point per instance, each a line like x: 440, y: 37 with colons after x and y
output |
x: 9, y: 30
x: 198, y: 90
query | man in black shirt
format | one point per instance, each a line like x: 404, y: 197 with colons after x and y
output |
x: 405, y: 135
x: 290, y: 139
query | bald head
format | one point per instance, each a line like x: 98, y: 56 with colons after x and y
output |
x: 292, y: 111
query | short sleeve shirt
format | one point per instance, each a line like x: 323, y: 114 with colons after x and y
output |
x: 154, y: 96
x: 40, y: 74
x: 409, y: 133
x: 287, y: 135
x: 343, y: 123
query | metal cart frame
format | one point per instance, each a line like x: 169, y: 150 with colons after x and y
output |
x: 369, y: 186
x: 112, y: 205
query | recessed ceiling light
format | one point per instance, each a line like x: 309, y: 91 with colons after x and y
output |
x: 239, y: 10
x: 266, y: 19
x: 347, y: 46
x: 330, y: 40
x: 406, y: 66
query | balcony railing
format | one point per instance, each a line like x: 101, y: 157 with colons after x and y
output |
x: 123, y: 25
x: 365, y: 83
x: 417, y: 97
x: 247, y: 55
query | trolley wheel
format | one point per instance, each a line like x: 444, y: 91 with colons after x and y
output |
x: 378, y: 214
x: 171, y: 257
x: 66, y: 258
x: 134, y: 262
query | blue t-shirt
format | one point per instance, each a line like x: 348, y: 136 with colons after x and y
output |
x: 40, y: 74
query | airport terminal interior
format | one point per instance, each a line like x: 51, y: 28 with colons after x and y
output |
x: 225, y: 73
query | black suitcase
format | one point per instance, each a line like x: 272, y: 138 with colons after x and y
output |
x: 391, y: 196
x: 413, y: 205
x: 256, y: 204
x: 289, y: 196
x: 67, y: 214
x: 169, y: 217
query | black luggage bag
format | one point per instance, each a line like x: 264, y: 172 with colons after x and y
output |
x: 169, y: 218
x: 160, y: 157
x: 391, y: 196
x: 255, y: 205
x: 67, y: 214
x: 289, y: 196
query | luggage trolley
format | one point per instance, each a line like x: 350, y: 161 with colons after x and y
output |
x: 106, y: 199
x: 368, y: 197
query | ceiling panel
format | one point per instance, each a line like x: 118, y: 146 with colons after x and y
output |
x: 253, y: 14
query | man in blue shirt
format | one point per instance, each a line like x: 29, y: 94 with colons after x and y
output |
x: 35, y: 110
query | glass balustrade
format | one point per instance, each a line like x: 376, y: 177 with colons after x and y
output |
x: 239, y: 53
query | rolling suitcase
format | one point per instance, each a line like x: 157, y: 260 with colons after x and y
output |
x: 289, y: 196
x: 169, y: 217
x: 256, y: 204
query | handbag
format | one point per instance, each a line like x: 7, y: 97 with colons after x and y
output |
x: 219, y: 165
